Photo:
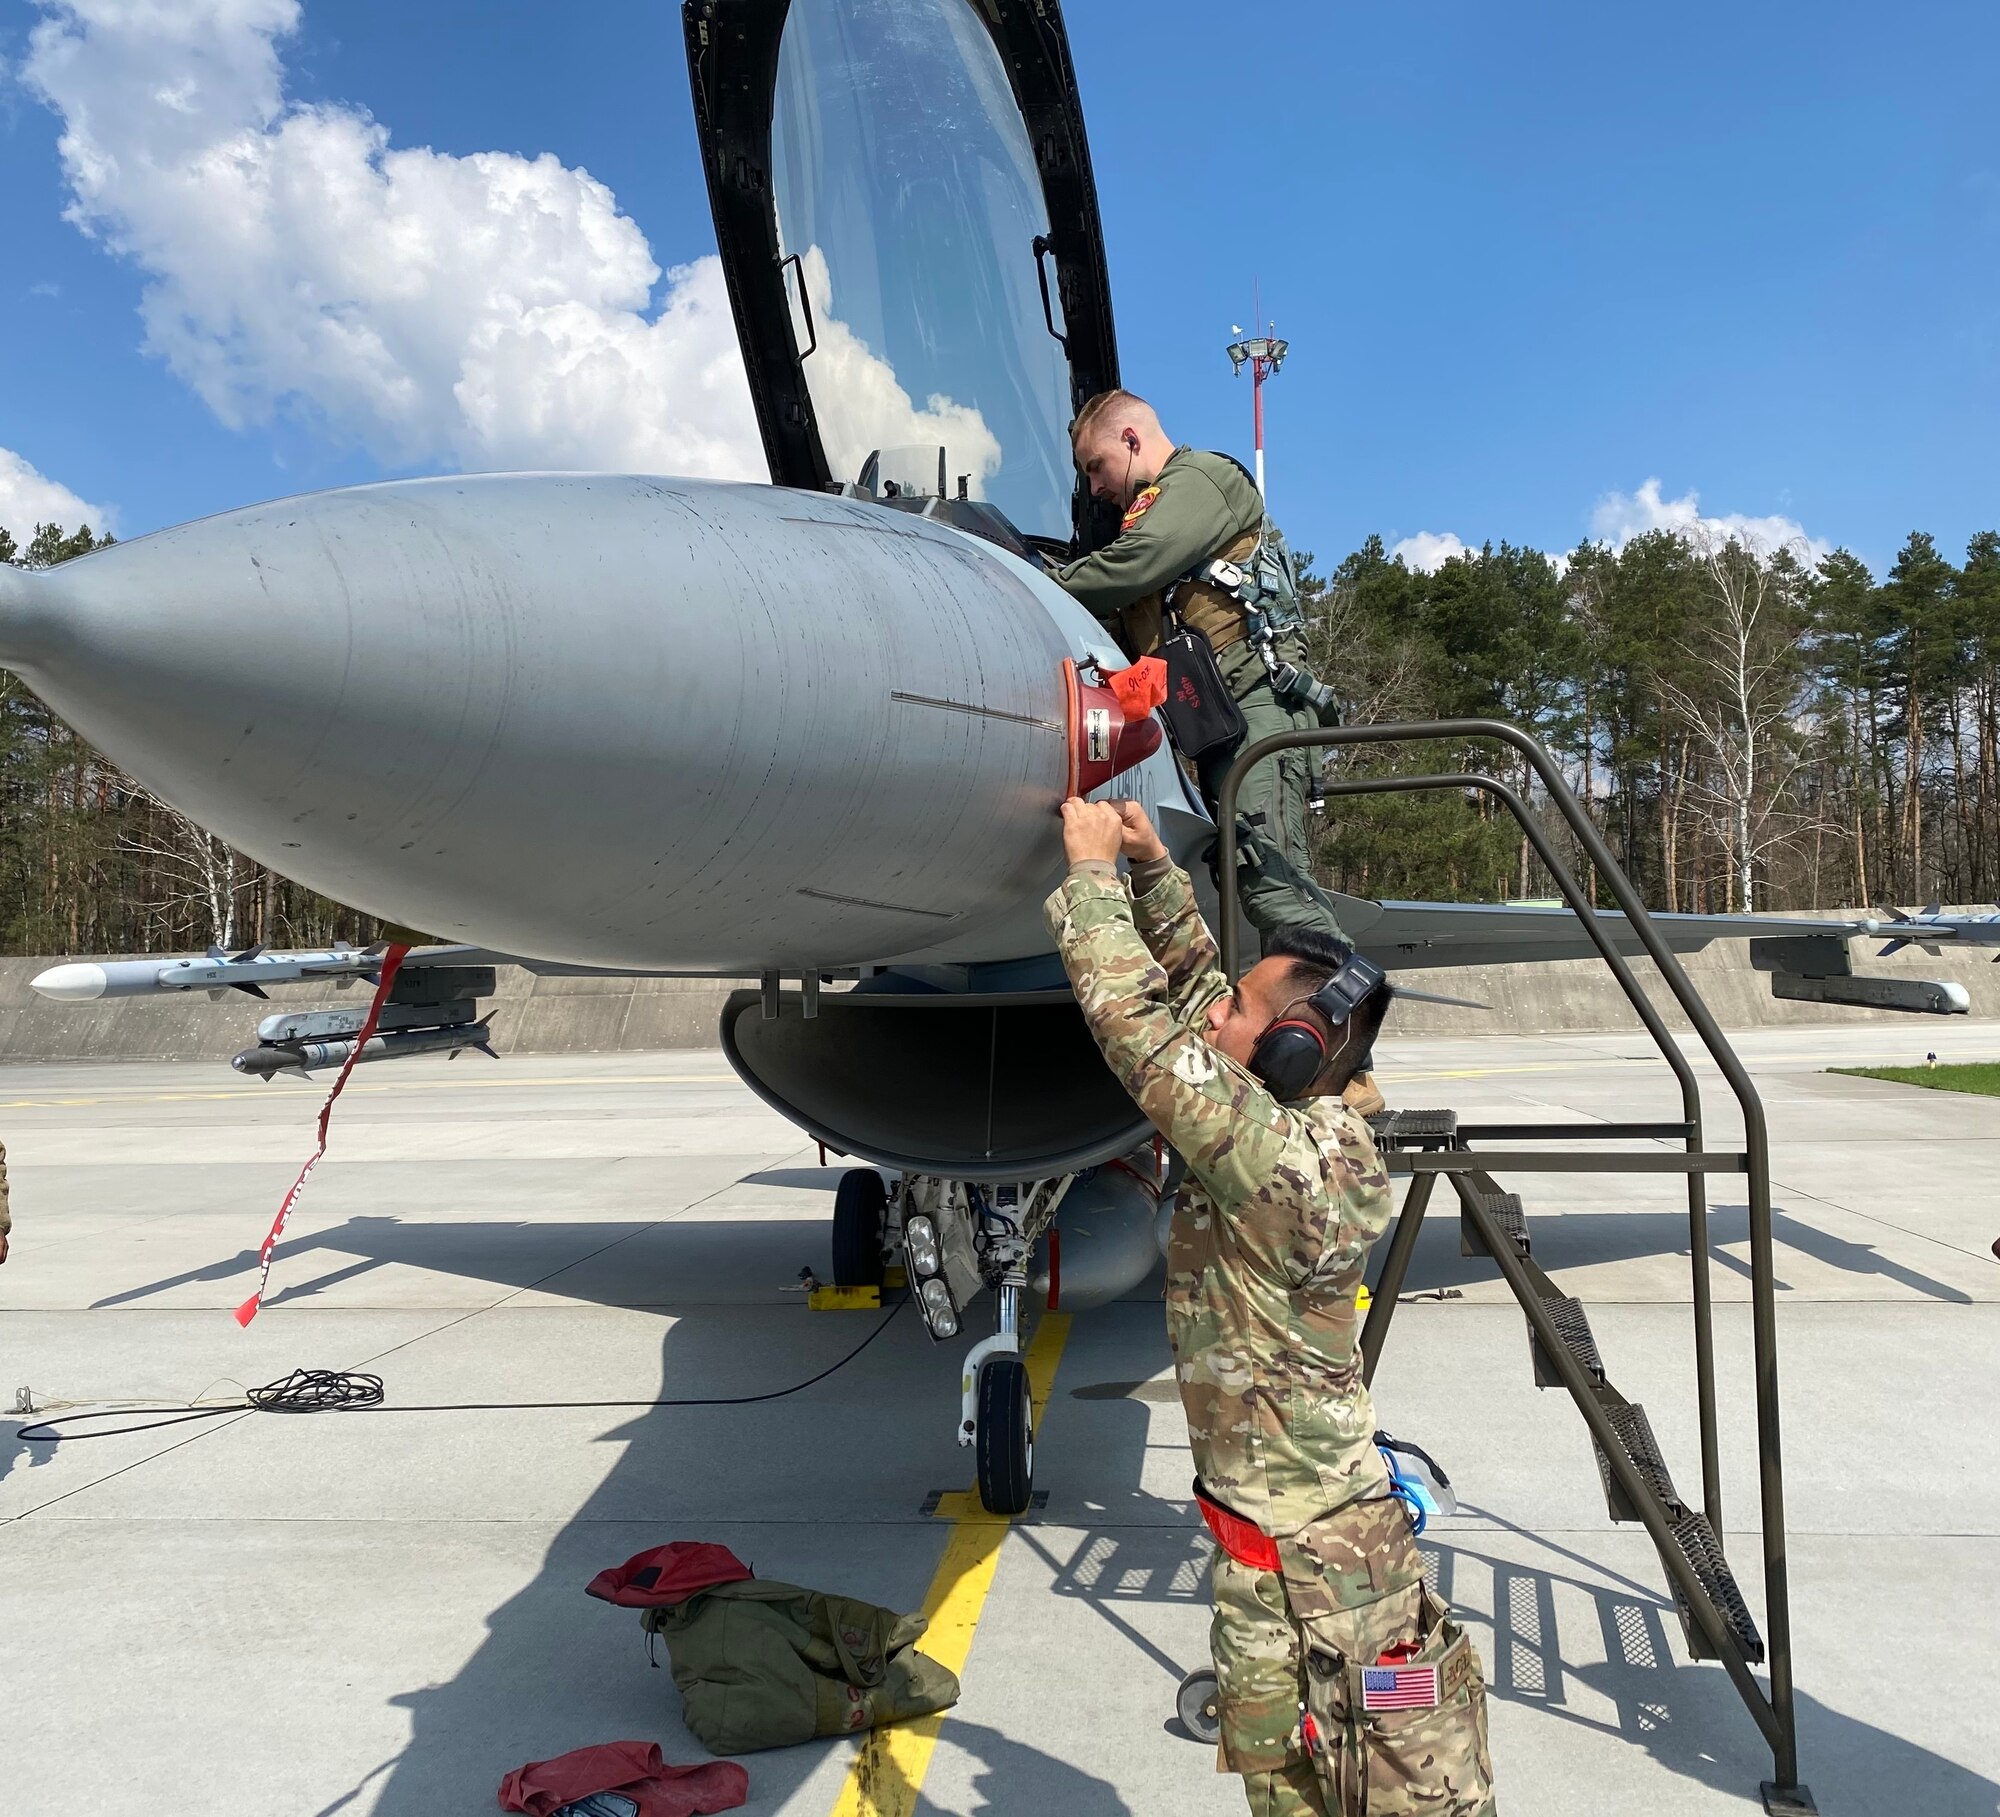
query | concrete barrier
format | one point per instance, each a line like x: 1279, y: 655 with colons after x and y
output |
x: 533, y: 1015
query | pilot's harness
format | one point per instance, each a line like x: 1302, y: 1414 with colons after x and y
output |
x: 1200, y: 710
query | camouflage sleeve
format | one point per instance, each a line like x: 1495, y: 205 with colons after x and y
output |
x: 1260, y: 1162
x: 1171, y: 926
x: 6, y: 1211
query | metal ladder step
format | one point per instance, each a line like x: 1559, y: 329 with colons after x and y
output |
x: 1505, y: 1209
x: 1628, y: 1420
x: 1699, y: 1546
x: 1396, y: 1129
x: 1573, y: 1327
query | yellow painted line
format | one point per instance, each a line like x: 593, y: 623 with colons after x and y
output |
x: 888, y: 1769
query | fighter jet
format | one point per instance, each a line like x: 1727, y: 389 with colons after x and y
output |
x: 815, y: 730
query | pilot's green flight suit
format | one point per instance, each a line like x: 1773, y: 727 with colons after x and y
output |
x: 1205, y: 507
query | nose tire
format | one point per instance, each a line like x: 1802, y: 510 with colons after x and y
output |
x: 1004, y: 1441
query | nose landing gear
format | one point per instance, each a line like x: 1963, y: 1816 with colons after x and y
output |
x: 998, y: 1416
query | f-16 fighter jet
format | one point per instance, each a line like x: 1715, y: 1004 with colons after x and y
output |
x: 805, y: 731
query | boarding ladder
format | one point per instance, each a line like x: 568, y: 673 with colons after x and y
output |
x: 1426, y: 1145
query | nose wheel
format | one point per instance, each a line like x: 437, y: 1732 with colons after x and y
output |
x: 1004, y: 1439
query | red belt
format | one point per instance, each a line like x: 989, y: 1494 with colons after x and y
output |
x: 1243, y: 1540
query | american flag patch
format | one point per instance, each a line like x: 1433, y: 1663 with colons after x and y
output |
x: 1399, y: 1687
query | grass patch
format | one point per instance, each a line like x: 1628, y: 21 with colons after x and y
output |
x: 1981, y: 1076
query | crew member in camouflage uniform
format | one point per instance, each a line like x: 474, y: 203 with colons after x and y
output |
x: 1183, y: 508
x: 6, y: 1211
x: 1317, y: 1578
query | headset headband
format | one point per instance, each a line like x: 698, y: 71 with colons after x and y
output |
x: 1345, y: 992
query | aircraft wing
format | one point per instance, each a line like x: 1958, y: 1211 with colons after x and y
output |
x: 1407, y: 935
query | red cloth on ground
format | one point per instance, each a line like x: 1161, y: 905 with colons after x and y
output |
x: 1140, y: 688
x: 662, y: 1576
x: 632, y: 1767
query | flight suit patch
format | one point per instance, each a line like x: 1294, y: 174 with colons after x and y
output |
x: 1139, y: 507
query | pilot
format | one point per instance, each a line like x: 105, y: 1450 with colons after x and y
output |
x: 1345, y: 1686
x: 1196, y: 548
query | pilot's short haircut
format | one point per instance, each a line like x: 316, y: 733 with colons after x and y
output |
x: 1103, y: 404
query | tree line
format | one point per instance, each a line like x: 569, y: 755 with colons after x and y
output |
x: 1750, y: 728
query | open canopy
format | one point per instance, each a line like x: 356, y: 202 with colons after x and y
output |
x: 905, y: 211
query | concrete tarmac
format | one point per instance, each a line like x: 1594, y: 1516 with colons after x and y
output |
x: 384, y: 1613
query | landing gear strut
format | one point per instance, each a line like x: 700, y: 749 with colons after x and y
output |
x: 959, y: 1238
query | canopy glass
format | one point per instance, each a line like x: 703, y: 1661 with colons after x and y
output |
x: 908, y: 209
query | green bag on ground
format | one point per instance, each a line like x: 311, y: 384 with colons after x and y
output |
x: 767, y: 1665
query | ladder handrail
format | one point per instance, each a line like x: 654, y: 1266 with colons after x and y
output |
x: 1757, y: 1147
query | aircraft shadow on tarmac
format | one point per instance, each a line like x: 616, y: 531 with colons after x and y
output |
x: 826, y: 1489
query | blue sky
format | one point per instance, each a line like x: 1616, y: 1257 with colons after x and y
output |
x: 1529, y: 258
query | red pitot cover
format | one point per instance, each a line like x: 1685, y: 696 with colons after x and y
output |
x: 665, y: 1575
x: 634, y: 1768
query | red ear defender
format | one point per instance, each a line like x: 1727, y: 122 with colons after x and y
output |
x: 1103, y: 743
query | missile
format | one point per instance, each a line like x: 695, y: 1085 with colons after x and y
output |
x: 268, y: 1060
x: 603, y: 720
x: 85, y: 981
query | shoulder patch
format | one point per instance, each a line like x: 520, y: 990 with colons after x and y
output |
x: 1139, y: 507
x: 1195, y: 1065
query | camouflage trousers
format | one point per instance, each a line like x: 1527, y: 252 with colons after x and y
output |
x: 1351, y: 1587
x: 1274, y: 863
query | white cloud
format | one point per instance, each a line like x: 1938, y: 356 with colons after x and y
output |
x: 28, y: 498
x: 861, y: 407
x: 489, y: 310
x: 1620, y: 516
x: 1428, y: 551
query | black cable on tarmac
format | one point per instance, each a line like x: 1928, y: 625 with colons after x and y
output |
x: 355, y: 1391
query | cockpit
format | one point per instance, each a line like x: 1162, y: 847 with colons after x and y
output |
x: 905, y: 212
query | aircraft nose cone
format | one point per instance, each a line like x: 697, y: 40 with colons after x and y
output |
x: 602, y: 718
x: 25, y: 600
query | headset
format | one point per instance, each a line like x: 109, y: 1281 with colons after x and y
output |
x: 1293, y: 1052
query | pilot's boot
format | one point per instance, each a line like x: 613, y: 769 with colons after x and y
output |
x: 1362, y: 1094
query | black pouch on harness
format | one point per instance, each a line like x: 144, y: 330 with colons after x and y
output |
x: 1200, y: 711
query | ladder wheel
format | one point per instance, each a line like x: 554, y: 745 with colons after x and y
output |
x: 1199, y: 1705
x: 860, y: 1215
x: 1005, y: 1438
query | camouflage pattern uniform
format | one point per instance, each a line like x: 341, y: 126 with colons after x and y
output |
x: 1266, y: 1252
x: 1202, y: 507
x: 6, y: 1211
